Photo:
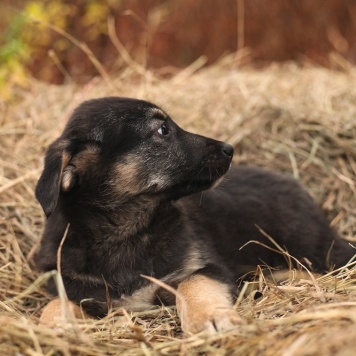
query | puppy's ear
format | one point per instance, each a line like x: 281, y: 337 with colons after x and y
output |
x: 56, y: 174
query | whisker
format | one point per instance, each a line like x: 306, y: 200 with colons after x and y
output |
x: 201, y: 199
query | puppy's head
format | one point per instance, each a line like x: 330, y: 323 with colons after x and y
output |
x: 114, y: 149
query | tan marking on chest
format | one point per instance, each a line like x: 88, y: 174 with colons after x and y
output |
x: 141, y: 299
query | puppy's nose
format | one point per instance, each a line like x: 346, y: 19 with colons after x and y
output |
x: 228, y: 150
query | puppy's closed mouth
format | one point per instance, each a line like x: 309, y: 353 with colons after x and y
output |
x: 207, y: 177
x: 203, y: 182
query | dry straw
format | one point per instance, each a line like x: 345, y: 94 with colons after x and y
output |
x: 297, y: 120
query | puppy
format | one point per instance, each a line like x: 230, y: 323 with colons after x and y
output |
x: 126, y: 184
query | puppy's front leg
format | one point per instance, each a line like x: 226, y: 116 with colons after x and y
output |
x: 205, y: 304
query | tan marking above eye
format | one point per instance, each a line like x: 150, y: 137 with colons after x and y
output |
x: 158, y: 114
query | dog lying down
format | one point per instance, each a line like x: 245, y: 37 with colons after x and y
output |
x: 128, y: 182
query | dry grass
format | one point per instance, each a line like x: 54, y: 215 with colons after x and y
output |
x: 301, y: 121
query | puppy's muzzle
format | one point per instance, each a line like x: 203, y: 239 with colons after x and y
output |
x: 220, y: 156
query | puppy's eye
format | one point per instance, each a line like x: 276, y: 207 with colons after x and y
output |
x: 163, y: 130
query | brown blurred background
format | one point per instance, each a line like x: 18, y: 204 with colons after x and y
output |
x: 165, y: 35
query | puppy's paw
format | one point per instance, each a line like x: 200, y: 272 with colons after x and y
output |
x: 57, y: 310
x: 210, y: 320
x: 205, y: 304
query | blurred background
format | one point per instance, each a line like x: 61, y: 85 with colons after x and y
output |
x: 64, y: 40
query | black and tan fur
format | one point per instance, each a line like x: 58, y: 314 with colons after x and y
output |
x: 129, y: 183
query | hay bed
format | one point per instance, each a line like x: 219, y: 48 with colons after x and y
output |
x: 290, y: 119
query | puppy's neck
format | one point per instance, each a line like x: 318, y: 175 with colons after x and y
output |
x: 133, y: 217
x: 115, y: 222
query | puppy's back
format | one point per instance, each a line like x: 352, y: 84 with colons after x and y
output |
x: 250, y: 199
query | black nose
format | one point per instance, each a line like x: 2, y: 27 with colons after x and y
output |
x: 228, y: 150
